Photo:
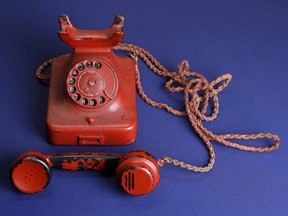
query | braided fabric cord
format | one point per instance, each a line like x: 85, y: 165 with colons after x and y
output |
x: 198, y: 93
x: 196, y: 104
x: 39, y: 71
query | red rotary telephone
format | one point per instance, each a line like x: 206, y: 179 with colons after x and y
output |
x: 92, y: 102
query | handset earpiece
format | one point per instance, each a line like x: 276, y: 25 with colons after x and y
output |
x: 30, y: 172
x: 137, y: 172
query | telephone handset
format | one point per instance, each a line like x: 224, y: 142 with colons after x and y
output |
x: 137, y: 172
x: 92, y: 95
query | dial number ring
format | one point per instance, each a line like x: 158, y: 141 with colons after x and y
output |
x: 91, y: 83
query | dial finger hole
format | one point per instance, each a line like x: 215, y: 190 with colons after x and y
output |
x: 84, y: 101
x: 97, y: 65
x: 89, y: 64
x: 92, y: 102
x: 72, y: 89
x: 101, y: 100
x: 71, y: 80
x: 74, y: 72
x: 76, y: 96
x: 81, y: 67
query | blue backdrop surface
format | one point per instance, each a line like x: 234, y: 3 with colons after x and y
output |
x: 245, y: 38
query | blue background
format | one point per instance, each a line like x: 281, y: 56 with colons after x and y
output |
x: 245, y: 38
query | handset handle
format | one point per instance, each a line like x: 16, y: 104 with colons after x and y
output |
x: 84, y: 161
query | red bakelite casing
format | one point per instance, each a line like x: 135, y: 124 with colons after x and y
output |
x: 92, y: 94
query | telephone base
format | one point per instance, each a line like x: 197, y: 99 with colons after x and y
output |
x: 114, y: 123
